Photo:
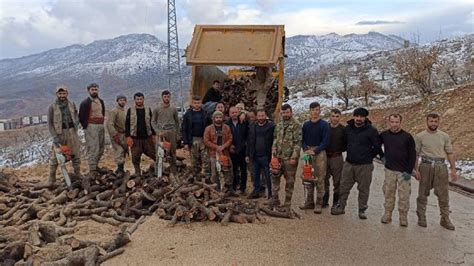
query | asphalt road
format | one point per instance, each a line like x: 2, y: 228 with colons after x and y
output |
x: 315, y: 239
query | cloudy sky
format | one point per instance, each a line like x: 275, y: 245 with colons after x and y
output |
x: 32, y: 26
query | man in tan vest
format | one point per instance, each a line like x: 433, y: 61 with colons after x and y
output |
x: 166, y: 123
x: 116, y: 128
x: 63, y: 123
x: 434, y: 146
x: 140, y: 133
x: 91, y: 117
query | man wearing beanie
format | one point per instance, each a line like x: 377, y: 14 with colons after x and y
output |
x: 217, y: 139
x: 116, y: 128
x: 363, y: 144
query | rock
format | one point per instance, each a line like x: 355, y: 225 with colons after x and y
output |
x: 449, y: 112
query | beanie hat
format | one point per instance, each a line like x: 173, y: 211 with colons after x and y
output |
x: 361, y: 112
x: 61, y: 88
x: 217, y: 113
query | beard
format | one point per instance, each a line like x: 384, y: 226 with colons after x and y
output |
x: 433, y: 128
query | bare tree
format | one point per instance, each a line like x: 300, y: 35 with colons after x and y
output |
x: 366, y: 87
x: 448, y: 67
x: 345, y: 92
x: 383, y: 67
x: 415, y: 65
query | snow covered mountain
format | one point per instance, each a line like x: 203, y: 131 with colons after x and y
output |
x: 308, y: 53
x: 138, y: 62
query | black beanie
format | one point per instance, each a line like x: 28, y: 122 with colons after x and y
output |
x: 361, y: 112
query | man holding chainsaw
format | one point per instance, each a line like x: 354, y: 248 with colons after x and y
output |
x: 116, y: 128
x: 140, y: 133
x: 218, y: 139
x: 166, y: 123
x: 285, y: 152
x: 63, y: 122
x: 315, y: 141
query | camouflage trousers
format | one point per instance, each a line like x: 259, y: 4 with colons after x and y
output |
x: 217, y: 176
x: 319, y: 164
x: 170, y: 136
x: 289, y: 173
x: 95, y: 134
x: 433, y: 177
x: 200, y: 159
x: 394, y: 179
x: 70, y: 138
x: 119, y: 149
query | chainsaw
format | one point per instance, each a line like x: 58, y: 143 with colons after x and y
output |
x: 163, y: 147
x: 64, y: 154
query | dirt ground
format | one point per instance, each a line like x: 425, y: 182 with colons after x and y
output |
x: 316, y: 239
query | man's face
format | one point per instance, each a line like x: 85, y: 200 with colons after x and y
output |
x: 166, y: 98
x: 334, y: 118
x: 62, y: 95
x: 359, y: 120
x: 217, y: 120
x: 216, y: 86
x: 286, y: 114
x: 94, y: 92
x: 432, y: 123
x: 251, y: 116
x: 196, y: 104
x: 261, y: 117
x: 139, y: 101
x: 220, y: 107
x: 234, y: 113
x: 315, y: 112
x: 122, y: 102
x: 395, y: 123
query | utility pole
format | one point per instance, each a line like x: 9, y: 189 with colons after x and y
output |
x: 174, y: 67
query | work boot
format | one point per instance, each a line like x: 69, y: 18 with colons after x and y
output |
x: 319, y: 208
x: 86, y: 185
x: 403, y: 219
x: 335, y: 199
x: 338, y: 209
x: 120, y: 170
x: 102, y: 170
x: 77, y: 171
x: 138, y: 171
x: 309, y: 196
x: 386, y: 218
x: 254, y: 195
x: 446, y: 223
x: 362, y: 214
x: 421, y: 219
x: 326, y: 200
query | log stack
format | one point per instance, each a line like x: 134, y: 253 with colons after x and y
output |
x: 37, y: 225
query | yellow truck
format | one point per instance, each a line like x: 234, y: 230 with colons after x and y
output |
x: 256, y: 46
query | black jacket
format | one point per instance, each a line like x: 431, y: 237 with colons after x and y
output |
x: 252, y: 137
x: 186, y: 126
x: 363, y: 143
x: 85, y: 110
x: 212, y: 96
x: 239, y: 136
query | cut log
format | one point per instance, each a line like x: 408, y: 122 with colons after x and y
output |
x: 120, y: 240
x: 86, y: 256
x: 226, y: 218
x: 109, y: 255
x: 103, y: 220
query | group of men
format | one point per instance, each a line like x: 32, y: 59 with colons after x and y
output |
x: 224, y: 149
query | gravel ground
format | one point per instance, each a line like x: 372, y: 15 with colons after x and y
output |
x: 316, y: 239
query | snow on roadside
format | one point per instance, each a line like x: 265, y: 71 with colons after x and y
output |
x: 466, y: 169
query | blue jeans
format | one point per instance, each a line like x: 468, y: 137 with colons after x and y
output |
x: 261, y: 163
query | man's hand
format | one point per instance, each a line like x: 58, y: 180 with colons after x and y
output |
x: 310, y: 152
x: 220, y: 149
x: 274, y: 151
x: 232, y: 149
x: 152, y: 139
x: 116, y: 138
x: 453, y: 174
x: 56, y: 141
x: 186, y: 147
x: 406, y: 176
x: 247, y: 159
x: 129, y: 142
x: 417, y: 175
x: 293, y: 162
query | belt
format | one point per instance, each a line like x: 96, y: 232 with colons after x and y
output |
x: 167, y: 127
x: 432, y: 161
x: 333, y: 154
x: 95, y: 120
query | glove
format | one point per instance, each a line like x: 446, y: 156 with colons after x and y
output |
x: 406, y: 176
x: 116, y: 138
x: 56, y: 141
x: 306, y: 157
x: 129, y: 142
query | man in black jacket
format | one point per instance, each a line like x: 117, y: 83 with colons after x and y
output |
x: 239, y: 131
x: 363, y: 144
x: 195, y: 121
x: 259, y: 151
x: 213, y: 94
x: 91, y: 117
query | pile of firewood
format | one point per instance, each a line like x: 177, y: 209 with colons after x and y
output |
x: 37, y: 224
x: 240, y: 90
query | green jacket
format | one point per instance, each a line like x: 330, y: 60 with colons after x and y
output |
x: 287, y: 139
